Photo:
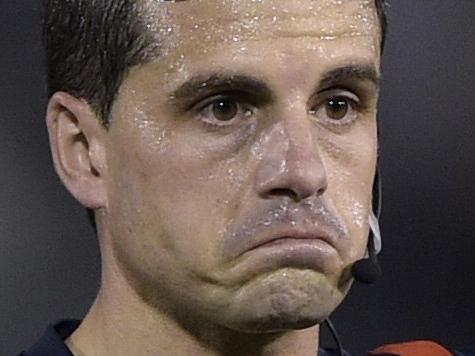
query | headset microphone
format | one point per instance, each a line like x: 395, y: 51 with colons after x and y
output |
x: 368, y: 270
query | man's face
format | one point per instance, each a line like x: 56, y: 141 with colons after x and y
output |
x: 241, y: 160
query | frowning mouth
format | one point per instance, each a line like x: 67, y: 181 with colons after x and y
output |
x: 288, y: 238
x: 285, y: 247
x: 308, y: 235
x: 291, y: 240
x: 291, y: 237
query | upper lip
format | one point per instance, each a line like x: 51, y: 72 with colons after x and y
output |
x: 289, y: 232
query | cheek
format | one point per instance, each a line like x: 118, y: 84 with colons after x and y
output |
x: 351, y: 163
x: 179, y: 193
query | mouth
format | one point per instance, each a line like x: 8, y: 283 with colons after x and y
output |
x: 293, y: 247
x: 288, y: 237
x: 308, y: 236
x: 292, y: 238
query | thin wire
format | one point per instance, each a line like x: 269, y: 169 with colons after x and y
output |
x: 379, y: 192
x: 332, y: 329
x: 379, y: 208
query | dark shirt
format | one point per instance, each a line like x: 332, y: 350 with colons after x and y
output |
x: 52, y: 341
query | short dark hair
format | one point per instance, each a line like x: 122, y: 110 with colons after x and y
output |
x: 91, y: 44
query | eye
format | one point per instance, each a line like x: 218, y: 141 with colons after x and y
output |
x: 224, y: 110
x: 338, y: 110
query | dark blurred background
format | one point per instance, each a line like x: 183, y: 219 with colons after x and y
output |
x: 49, y: 259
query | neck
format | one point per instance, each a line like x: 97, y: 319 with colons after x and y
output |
x: 121, y: 323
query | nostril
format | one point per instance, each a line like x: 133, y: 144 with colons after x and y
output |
x: 320, y: 191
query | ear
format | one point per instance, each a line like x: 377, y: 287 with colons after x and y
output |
x: 77, y: 141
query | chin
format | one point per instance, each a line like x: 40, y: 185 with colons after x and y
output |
x: 284, y: 300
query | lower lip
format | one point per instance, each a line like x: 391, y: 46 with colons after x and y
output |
x: 290, y: 252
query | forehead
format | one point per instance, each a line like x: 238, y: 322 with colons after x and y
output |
x: 203, y: 24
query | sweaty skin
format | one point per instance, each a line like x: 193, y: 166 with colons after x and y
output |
x: 190, y: 196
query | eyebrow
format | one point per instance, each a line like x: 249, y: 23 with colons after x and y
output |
x: 200, y: 86
x: 350, y: 73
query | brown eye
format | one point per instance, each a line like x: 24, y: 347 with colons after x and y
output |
x: 337, y: 108
x: 225, y: 109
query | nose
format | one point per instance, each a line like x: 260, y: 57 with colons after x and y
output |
x: 291, y: 164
